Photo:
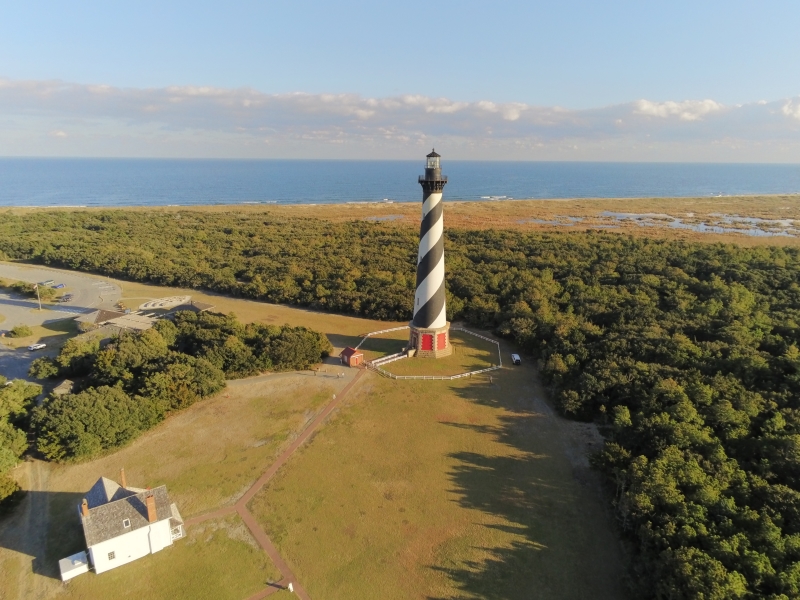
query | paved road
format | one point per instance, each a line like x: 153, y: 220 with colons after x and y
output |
x: 89, y: 293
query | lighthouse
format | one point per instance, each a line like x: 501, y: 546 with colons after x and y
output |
x: 430, y: 331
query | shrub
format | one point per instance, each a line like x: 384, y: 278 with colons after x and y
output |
x: 21, y: 331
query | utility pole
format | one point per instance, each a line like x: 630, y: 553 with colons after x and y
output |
x: 36, y: 287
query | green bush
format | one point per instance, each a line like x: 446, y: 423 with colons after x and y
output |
x: 21, y: 331
x: 43, y: 368
x: 79, y: 426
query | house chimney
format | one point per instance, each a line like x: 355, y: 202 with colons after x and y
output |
x: 85, y: 508
x: 150, y: 501
x: 122, y: 481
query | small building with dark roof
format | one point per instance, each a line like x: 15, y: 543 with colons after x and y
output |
x: 351, y: 357
x: 96, y: 318
x: 122, y: 523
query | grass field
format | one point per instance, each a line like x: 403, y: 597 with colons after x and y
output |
x: 412, y: 490
x: 384, y: 344
x: 341, y: 330
x: 207, y: 455
x: 54, y: 334
x: 444, y: 490
x: 470, y: 353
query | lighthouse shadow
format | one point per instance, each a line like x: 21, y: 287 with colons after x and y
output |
x: 542, y: 543
x: 340, y: 342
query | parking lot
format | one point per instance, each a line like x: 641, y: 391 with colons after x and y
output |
x: 88, y: 293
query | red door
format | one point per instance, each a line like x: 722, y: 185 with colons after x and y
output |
x: 427, y: 341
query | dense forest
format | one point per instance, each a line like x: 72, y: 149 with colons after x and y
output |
x: 132, y: 383
x: 687, y: 354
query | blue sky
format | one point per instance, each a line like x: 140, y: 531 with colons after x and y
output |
x: 596, y: 62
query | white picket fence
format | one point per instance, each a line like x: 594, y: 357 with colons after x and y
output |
x: 385, y: 360
x: 375, y: 365
x: 371, y: 333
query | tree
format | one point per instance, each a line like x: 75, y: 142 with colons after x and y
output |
x: 43, y: 368
x: 177, y: 381
x: 77, y: 356
x: 80, y: 426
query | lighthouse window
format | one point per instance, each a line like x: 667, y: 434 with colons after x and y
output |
x: 433, y: 162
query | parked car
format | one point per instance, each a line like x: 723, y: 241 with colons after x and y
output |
x: 59, y: 286
x: 516, y: 359
x: 33, y: 347
x: 65, y: 298
x: 48, y: 282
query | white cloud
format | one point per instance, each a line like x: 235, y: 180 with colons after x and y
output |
x: 791, y: 109
x: 689, y: 110
x: 209, y: 121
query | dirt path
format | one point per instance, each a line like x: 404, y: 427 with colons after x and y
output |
x: 255, y: 529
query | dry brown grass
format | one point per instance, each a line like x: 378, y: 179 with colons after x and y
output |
x: 207, y: 455
x: 54, y: 334
x: 342, y: 330
x: 470, y: 353
x: 517, y: 214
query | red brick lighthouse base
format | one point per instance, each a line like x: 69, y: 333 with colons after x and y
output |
x: 427, y: 342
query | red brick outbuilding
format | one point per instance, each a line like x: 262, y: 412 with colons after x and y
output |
x: 351, y: 357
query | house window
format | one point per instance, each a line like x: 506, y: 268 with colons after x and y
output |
x: 111, y: 556
x: 126, y: 523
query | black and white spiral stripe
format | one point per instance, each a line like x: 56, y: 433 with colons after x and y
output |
x: 429, y: 300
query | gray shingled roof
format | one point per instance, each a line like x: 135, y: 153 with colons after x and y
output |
x: 105, y: 519
x: 107, y: 490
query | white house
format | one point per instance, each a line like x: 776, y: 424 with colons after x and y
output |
x: 123, y: 523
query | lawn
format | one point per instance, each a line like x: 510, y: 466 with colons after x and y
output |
x: 384, y: 344
x: 470, y: 353
x: 217, y: 560
x: 207, y: 456
x: 54, y: 333
x: 469, y: 489
x: 430, y: 489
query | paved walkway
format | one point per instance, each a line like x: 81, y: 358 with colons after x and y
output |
x: 258, y: 533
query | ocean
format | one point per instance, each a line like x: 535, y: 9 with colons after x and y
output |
x: 163, y: 182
